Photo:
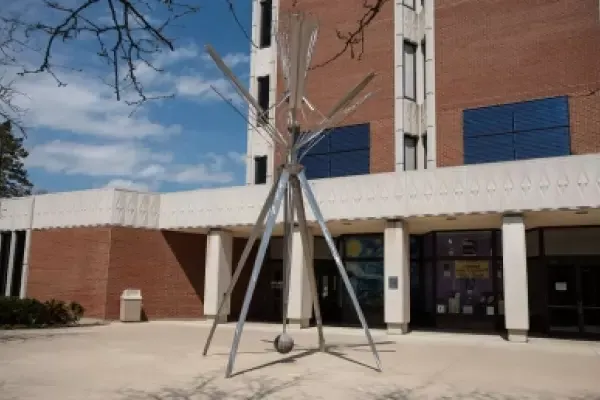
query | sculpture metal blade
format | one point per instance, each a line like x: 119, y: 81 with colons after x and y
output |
x: 296, y: 45
x: 302, y: 36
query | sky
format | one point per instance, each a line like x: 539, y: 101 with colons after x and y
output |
x: 80, y: 137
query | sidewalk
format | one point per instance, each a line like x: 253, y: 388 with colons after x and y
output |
x: 163, y: 360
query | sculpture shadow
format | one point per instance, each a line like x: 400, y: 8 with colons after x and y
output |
x: 422, y: 393
x: 333, y: 350
x: 211, y: 388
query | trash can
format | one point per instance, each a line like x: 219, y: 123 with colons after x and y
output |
x: 131, y: 305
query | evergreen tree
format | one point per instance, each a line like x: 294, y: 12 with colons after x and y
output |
x: 14, y: 180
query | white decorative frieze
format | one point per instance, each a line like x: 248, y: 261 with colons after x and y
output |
x: 15, y: 214
x: 549, y: 183
x: 136, y: 209
x: 542, y: 184
x: 73, y: 209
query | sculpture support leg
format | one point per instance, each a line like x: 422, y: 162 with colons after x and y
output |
x: 262, y: 249
x: 338, y: 260
x: 299, y: 203
x: 240, y: 265
x: 288, y: 224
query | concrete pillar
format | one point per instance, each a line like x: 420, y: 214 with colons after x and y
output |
x: 516, y: 303
x: 25, y: 269
x: 219, y: 254
x: 397, y: 276
x: 300, y: 300
x: 11, y: 263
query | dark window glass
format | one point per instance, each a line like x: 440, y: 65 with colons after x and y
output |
x: 266, y: 21
x: 343, y: 151
x: 425, y: 150
x: 260, y: 170
x: 464, y: 244
x: 363, y: 246
x: 263, y: 97
x: 517, y: 131
x: 410, y: 70
x: 410, y: 152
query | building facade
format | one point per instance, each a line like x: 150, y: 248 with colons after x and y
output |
x: 464, y: 195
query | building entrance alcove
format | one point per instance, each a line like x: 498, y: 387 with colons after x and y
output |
x: 456, y: 281
x: 362, y: 255
x: 564, y: 281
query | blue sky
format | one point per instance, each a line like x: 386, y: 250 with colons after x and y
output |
x: 80, y: 137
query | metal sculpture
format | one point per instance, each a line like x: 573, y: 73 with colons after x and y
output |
x: 296, y: 40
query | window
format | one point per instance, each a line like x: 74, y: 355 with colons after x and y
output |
x: 344, y: 151
x: 410, y: 4
x: 266, y: 20
x: 260, y: 170
x: 517, y: 131
x: 263, y: 98
x: 424, y: 54
x: 410, y: 70
x: 410, y: 152
x: 425, y: 150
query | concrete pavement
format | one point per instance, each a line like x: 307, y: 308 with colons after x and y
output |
x: 163, y: 360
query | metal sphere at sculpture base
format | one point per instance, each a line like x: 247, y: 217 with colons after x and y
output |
x: 283, y: 343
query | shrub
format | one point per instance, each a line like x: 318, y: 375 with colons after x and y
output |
x: 16, y: 312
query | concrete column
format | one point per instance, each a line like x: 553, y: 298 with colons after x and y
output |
x: 430, y: 101
x: 219, y: 251
x: 25, y: 270
x: 399, y: 9
x: 516, y: 303
x: 397, y: 276
x: 300, y: 300
x: 11, y: 263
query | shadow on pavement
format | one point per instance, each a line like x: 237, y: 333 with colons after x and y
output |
x: 424, y: 393
x: 209, y: 388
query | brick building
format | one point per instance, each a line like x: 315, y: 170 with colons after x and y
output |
x: 471, y: 181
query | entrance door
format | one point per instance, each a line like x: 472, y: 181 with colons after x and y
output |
x: 329, y: 286
x: 590, y: 299
x: 563, y: 307
x: 574, y: 298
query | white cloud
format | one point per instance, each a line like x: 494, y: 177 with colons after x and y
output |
x: 237, y: 157
x: 118, y: 159
x: 130, y: 164
x: 85, y: 106
x: 232, y: 60
x: 128, y: 184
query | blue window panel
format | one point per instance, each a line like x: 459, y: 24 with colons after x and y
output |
x: 350, y: 163
x: 486, y: 149
x: 316, y: 166
x: 488, y: 121
x: 541, y: 114
x: 321, y: 147
x: 354, y: 137
x: 554, y: 142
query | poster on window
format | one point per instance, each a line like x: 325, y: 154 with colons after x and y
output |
x: 472, y: 269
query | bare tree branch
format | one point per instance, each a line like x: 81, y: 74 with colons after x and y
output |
x: 126, y: 39
x: 239, y: 23
x: 353, y: 42
x: 355, y: 38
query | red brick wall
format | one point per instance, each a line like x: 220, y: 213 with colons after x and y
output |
x: 501, y: 51
x: 326, y: 85
x: 70, y: 265
x: 94, y: 265
x: 168, y: 267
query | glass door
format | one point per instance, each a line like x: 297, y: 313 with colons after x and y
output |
x: 328, y: 288
x: 563, y: 298
x: 590, y: 299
